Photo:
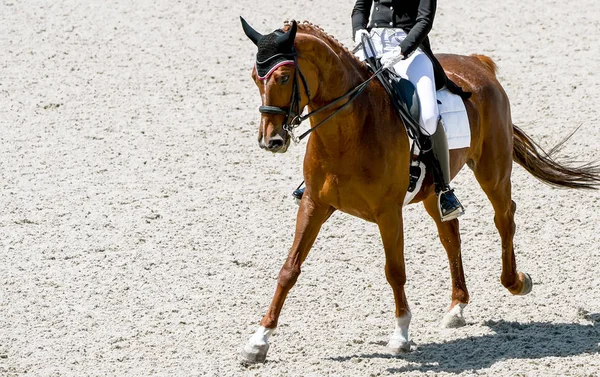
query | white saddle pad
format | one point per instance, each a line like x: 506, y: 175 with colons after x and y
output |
x: 455, y: 119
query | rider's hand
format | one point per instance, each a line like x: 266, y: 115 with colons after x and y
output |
x: 390, y: 58
x: 358, y: 36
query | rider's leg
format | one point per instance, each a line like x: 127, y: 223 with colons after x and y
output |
x: 418, y: 69
x: 298, y: 193
x: 449, y: 206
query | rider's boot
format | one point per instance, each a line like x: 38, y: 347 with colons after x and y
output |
x: 437, y: 157
x: 298, y: 193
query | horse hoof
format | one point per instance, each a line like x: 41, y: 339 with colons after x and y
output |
x: 454, y: 318
x: 527, y: 284
x: 398, y: 346
x: 254, y: 354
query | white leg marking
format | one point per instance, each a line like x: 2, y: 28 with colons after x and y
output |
x: 454, y: 318
x: 399, y: 341
x: 261, y: 336
x: 255, y: 351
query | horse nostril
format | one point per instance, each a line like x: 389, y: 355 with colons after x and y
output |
x: 275, y: 144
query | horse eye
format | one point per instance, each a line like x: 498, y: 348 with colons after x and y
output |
x: 284, y: 79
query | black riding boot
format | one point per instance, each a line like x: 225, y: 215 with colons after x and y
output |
x: 436, y: 156
x: 297, y: 194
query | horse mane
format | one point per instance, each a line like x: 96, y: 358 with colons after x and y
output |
x: 315, y: 30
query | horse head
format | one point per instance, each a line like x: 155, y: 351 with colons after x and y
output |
x: 277, y: 76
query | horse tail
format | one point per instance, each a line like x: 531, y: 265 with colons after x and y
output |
x: 542, y: 165
x: 487, y: 62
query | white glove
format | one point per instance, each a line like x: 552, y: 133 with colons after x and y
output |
x: 390, y: 58
x: 358, y: 36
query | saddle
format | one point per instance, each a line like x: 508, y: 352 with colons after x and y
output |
x: 402, y: 92
x: 405, y: 100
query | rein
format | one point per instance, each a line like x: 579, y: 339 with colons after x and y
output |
x: 294, y: 119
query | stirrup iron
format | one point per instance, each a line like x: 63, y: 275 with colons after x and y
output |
x: 455, y: 210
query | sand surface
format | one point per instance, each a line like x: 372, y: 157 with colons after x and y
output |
x: 142, y: 229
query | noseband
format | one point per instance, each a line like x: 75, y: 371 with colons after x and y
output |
x: 292, y: 113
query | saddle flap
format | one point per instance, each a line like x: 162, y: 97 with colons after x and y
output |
x: 408, y: 96
x: 405, y: 99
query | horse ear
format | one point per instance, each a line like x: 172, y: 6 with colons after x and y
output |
x: 254, y: 35
x: 287, y: 40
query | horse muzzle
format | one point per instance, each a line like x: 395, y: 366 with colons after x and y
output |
x: 275, y: 144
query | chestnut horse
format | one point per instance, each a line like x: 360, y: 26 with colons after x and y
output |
x: 358, y: 163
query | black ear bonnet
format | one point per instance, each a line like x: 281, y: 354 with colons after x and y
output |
x: 274, y: 50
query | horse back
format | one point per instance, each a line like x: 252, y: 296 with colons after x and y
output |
x: 488, y: 107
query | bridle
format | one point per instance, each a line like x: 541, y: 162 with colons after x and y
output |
x: 292, y: 118
x: 292, y: 112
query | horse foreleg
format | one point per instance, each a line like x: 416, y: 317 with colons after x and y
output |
x: 392, y: 235
x: 450, y: 237
x: 308, y: 223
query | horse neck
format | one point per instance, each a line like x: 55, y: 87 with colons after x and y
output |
x: 339, y: 72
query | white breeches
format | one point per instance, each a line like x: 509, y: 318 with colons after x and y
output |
x: 417, y: 69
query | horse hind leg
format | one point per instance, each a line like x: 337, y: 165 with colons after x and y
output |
x: 450, y: 237
x: 494, y: 179
x: 517, y: 283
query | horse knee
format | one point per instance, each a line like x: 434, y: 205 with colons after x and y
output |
x: 395, y: 276
x: 288, y: 276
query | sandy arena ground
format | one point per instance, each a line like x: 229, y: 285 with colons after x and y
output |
x: 142, y: 229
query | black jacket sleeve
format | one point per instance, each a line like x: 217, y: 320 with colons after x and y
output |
x: 360, y: 15
x: 418, y: 33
